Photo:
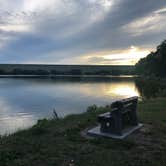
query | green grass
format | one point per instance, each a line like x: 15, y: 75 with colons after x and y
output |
x: 57, y: 142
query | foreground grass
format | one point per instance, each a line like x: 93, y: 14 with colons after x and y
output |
x: 57, y: 142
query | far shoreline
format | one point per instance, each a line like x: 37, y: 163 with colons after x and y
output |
x: 54, y: 76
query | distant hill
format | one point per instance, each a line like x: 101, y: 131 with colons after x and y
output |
x: 155, y: 63
x: 41, y: 69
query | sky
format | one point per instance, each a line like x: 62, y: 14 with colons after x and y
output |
x: 102, y: 32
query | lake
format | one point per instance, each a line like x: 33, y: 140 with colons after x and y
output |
x: 24, y: 100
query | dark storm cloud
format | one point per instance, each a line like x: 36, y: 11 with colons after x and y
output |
x: 84, y: 28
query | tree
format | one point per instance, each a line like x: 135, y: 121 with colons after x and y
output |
x: 154, y: 63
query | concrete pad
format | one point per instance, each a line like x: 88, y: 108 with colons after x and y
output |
x: 95, y: 132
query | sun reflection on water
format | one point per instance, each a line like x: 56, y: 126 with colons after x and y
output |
x: 112, y: 89
x: 123, y: 89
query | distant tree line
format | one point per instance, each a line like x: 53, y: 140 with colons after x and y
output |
x: 18, y: 71
x: 155, y: 63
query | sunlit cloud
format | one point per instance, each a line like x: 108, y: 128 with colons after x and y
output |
x: 161, y: 11
x: 15, y: 28
x: 79, y: 32
x: 154, y: 22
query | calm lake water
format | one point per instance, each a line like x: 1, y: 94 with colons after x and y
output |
x: 25, y: 100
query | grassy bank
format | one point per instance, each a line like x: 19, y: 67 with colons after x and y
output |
x: 57, y: 142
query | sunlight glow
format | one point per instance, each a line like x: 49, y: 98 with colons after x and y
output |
x: 131, y: 55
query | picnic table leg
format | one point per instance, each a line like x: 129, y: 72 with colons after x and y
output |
x: 117, y: 120
x: 134, y: 117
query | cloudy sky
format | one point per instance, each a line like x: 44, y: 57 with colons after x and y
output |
x: 80, y: 31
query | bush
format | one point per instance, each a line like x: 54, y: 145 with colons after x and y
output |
x: 92, y: 108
